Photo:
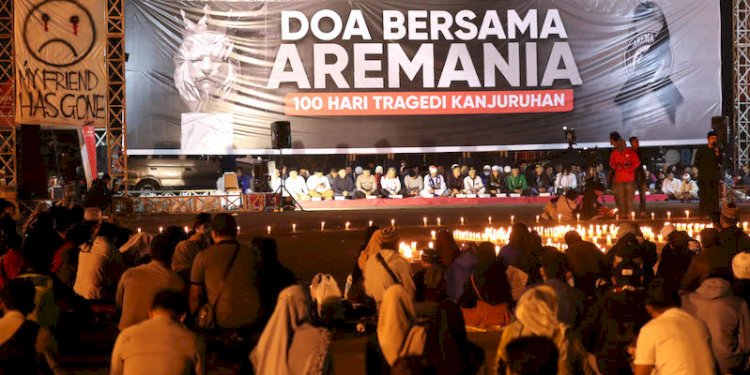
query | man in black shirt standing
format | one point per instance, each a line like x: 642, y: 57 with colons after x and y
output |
x: 640, y: 177
x: 708, y: 160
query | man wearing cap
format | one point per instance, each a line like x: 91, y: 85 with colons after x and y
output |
x: 472, y: 183
x: 688, y: 189
x: 486, y: 173
x: 708, y: 160
x: 624, y: 163
x: 733, y: 239
x: 434, y: 184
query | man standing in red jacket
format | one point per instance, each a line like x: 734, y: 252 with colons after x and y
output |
x: 624, y: 162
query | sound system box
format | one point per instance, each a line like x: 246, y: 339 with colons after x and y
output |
x: 281, y: 135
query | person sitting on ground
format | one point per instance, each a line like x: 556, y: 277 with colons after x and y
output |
x: 139, y: 285
x: 332, y: 175
x: 13, y: 262
x: 497, y: 184
x: 565, y: 181
x: 319, y: 186
x: 586, y: 262
x: 712, y: 260
x: 458, y: 264
x: 570, y: 300
x: 245, y: 180
x: 378, y: 175
x: 532, y: 355
x: 562, y: 208
x: 227, y: 273
x: 518, y: 254
x: 413, y: 183
x: 517, y: 183
x: 741, y: 276
x: 733, y: 239
x: 486, y: 173
x: 384, y: 266
x: 186, y: 250
x: 455, y: 181
x: 536, y: 315
x: 728, y: 321
x: 99, y: 265
x: 297, y: 187
x: 434, y: 184
x: 489, y: 287
x: 473, y: 183
x: 688, y: 189
x: 275, y: 183
x: 273, y: 277
x: 632, y: 244
x: 354, y: 291
x: 671, y: 187
x: 688, y: 347
x: 591, y: 206
x: 25, y: 347
x: 161, y: 344
x: 391, y: 184
x: 100, y: 193
x: 65, y: 259
x: 366, y: 185
x: 342, y: 185
x: 291, y: 343
x: 539, y: 183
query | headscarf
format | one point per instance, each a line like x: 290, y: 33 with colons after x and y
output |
x: 537, y: 311
x: 446, y: 247
x: 378, y: 280
x: 271, y: 355
x: 380, y: 237
x: 398, y: 336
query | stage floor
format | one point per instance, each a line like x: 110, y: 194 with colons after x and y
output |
x: 353, y: 204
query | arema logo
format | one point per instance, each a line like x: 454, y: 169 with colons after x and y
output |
x: 641, y: 60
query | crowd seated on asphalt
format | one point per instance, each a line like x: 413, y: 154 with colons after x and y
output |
x: 182, y: 297
x: 522, y: 179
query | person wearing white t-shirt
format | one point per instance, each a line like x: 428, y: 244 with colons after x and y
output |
x: 673, y: 342
x: 434, y: 184
x: 319, y: 186
x: 297, y: 187
x: 671, y: 186
x: 390, y: 183
x: 473, y: 183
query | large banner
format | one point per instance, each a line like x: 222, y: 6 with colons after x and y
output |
x: 418, y: 76
x: 60, y: 48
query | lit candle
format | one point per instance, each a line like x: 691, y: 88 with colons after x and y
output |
x: 512, y: 219
x: 369, y: 223
x: 578, y: 217
x: 652, y: 216
x: 632, y: 215
x: 322, y: 226
x: 161, y: 229
x: 433, y: 234
x: 559, y: 218
x: 238, y: 229
x: 660, y: 238
x: 594, y: 240
x: 139, y: 229
x: 537, y: 219
x: 462, y: 220
x: 489, y: 219
x: 294, y: 228
x: 687, y: 214
x: 438, y: 221
x: 617, y: 217
x: 744, y: 226
x: 424, y: 220
x: 497, y: 250
x: 268, y: 229
x: 669, y: 215
x: 430, y: 245
x: 186, y: 229
x: 346, y: 225
x: 609, y: 240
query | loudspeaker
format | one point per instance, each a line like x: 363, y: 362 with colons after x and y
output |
x: 32, y: 179
x: 720, y: 124
x: 281, y: 134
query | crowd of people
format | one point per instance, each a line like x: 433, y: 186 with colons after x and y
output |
x: 633, y: 309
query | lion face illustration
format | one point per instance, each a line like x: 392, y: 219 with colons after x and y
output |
x: 204, y: 69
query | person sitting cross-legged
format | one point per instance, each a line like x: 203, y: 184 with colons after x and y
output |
x: 343, y: 186
x: 434, y: 184
x: 390, y: 183
x: 319, y: 186
x: 473, y: 183
x: 366, y: 185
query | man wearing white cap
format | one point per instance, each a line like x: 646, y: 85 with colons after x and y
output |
x: 486, y: 172
x: 688, y: 189
x: 434, y: 184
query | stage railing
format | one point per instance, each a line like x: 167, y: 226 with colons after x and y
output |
x: 192, y: 202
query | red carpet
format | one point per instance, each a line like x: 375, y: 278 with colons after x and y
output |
x: 426, y: 202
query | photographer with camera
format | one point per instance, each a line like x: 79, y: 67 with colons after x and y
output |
x: 624, y: 162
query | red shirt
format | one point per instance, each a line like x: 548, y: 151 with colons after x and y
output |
x: 12, y: 264
x: 624, y: 164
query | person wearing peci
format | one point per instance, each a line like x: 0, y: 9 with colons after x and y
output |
x: 434, y: 184
x: 708, y: 161
x: 391, y: 184
x: 624, y: 162
x: 688, y: 189
x: 473, y: 183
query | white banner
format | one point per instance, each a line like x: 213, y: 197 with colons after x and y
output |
x: 61, y: 72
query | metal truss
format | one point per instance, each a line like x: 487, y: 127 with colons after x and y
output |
x: 8, y: 170
x: 741, y: 47
x: 117, y: 150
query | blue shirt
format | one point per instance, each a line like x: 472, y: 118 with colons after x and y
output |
x: 457, y: 274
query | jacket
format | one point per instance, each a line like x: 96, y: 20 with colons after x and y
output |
x: 624, y: 164
x: 709, y: 164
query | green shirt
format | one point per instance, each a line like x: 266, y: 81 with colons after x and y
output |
x: 516, y: 183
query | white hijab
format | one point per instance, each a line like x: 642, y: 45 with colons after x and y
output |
x: 398, y: 336
x: 273, y: 354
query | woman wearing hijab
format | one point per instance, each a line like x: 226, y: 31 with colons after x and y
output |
x: 385, y: 266
x: 518, y: 253
x: 290, y: 344
x: 458, y: 265
x: 354, y: 291
x: 487, y: 294
x: 536, y: 315
x: 401, y: 342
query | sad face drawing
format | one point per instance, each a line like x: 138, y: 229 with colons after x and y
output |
x: 59, y: 33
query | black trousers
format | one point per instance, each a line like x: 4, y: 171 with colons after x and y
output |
x: 708, y: 192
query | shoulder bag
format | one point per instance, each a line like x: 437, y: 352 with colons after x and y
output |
x: 206, y: 320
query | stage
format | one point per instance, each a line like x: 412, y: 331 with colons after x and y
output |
x: 420, y: 202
